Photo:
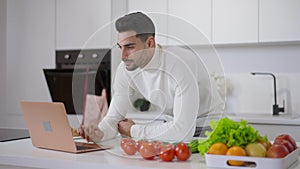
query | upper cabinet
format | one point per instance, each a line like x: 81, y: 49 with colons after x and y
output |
x: 234, y: 21
x: 279, y: 20
x: 83, y: 24
x: 190, y: 22
x: 178, y: 22
x: 157, y: 11
x: 200, y: 22
x: 88, y: 23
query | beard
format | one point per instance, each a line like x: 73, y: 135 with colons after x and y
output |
x: 142, y: 58
x: 130, y: 65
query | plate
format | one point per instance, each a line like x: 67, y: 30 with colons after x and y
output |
x: 117, y: 151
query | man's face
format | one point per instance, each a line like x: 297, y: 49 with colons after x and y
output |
x: 134, y: 52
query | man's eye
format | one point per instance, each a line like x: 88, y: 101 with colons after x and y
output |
x: 130, y: 47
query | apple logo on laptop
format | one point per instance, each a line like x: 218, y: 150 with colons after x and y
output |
x: 47, y: 126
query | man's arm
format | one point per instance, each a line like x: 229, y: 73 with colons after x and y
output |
x: 119, y: 105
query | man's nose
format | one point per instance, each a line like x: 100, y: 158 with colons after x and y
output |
x: 124, y: 54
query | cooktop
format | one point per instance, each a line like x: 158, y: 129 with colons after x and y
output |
x: 7, y: 134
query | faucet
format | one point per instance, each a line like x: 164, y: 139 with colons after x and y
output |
x: 276, y: 108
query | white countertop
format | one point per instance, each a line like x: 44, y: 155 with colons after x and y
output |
x: 282, y: 119
x: 22, y: 153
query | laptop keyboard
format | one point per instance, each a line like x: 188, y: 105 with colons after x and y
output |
x: 83, y: 147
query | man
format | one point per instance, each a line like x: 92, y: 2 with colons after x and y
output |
x: 172, y: 79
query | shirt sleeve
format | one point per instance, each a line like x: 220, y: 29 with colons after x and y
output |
x: 119, y: 105
x: 185, y: 109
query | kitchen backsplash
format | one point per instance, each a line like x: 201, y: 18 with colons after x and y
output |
x: 255, y: 94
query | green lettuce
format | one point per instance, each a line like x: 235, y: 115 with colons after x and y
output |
x: 230, y: 133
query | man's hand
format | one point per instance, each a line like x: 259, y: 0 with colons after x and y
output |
x: 124, y: 127
x: 91, y: 133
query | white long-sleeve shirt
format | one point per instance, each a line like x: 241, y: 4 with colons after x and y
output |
x: 175, y: 82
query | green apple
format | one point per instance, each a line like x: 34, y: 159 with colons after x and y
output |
x: 256, y: 150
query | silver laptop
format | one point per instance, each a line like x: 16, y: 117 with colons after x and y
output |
x: 49, y: 128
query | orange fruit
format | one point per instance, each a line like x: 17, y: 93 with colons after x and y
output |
x: 236, y: 151
x: 218, y: 148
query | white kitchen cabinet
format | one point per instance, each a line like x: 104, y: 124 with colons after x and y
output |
x: 279, y: 20
x: 222, y: 22
x: 190, y: 22
x: 235, y: 21
x: 78, y: 20
x: 178, y: 22
x: 157, y: 11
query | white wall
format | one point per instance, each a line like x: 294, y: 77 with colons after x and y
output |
x: 30, y: 48
x: 2, y: 58
x: 255, y: 94
x: 119, y: 8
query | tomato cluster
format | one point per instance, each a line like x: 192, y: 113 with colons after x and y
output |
x: 151, y: 149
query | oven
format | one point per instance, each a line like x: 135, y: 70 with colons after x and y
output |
x: 78, y: 73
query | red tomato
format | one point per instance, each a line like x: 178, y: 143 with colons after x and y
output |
x: 167, y: 152
x: 182, y: 151
x: 157, y: 146
x: 125, y: 140
x: 138, y: 144
x: 130, y: 147
x: 147, y: 150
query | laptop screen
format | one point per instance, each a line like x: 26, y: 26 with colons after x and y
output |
x: 70, y: 87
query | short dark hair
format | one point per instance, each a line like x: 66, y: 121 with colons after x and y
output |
x: 138, y: 22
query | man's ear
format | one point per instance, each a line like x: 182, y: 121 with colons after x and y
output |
x: 150, y: 42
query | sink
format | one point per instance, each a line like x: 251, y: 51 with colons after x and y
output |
x: 282, y: 119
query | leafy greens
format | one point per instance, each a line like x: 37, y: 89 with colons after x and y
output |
x: 230, y: 133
